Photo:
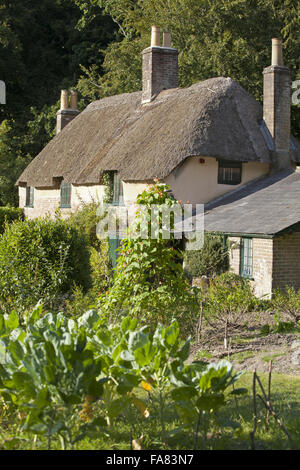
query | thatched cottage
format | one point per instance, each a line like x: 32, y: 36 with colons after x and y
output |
x: 204, y: 141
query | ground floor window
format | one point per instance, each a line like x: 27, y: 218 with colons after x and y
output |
x: 118, y: 197
x: 29, y: 196
x: 246, y: 265
x: 65, y: 194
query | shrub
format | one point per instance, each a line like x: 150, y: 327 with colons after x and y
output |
x: 211, y: 259
x: 85, y: 220
x: 8, y: 215
x: 228, y: 297
x: 287, y: 303
x: 80, y: 301
x: 41, y: 258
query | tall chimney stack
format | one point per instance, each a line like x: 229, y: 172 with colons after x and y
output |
x: 160, y: 66
x: 66, y: 114
x: 277, y: 106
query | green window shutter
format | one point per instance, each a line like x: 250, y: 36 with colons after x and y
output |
x: 65, y: 195
x: 118, y: 198
x: 246, y: 253
x: 29, y: 196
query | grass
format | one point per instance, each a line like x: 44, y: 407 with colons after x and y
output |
x: 241, y: 356
x: 203, y: 354
x: 272, y: 357
x: 229, y: 429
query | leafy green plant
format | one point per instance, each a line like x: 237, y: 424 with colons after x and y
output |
x: 49, y: 375
x: 8, y: 215
x: 283, y: 326
x: 149, y: 282
x: 131, y: 358
x: 85, y: 220
x: 41, y: 258
x: 200, y: 391
x: 70, y: 379
x: 101, y: 274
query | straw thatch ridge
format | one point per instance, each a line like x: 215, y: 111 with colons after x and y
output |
x: 213, y: 118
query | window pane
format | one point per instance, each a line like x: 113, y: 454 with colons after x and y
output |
x: 65, y: 194
x: 246, y: 257
x: 118, y: 190
x: 229, y: 172
x: 29, y: 196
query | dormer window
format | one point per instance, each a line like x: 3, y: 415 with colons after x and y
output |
x: 229, y: 172
x: 118, y: 198
x: 29, y: 196
x: 65, y: 195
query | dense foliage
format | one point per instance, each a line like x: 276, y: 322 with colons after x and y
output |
x: 8, y: 215
x: 85, y: 221
x: 41, y: 258
x: 70, y: 379
x: 230, y: 38
x: 211, y: 259
x: 149, y: 283
x: 42, y: 49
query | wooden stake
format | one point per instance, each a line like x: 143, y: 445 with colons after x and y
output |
x: 254, y: 411
x: 269, y: 393
x: 200, y: 323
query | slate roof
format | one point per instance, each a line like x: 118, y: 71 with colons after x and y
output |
x: 213, y: 118
x: 266, y: 206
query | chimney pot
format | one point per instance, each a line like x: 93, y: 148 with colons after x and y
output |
x: 66, y: 114
x: 155, y: 36
x: 64, y: 100
x: 166, y: 39
x: 277, y: 52
x: 74, y: 99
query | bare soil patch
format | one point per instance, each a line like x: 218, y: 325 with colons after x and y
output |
x: 248, y: 348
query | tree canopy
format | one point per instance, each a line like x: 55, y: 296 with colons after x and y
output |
x: 42, y: 46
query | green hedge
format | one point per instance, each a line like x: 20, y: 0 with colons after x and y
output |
x: 9, y: 214
x: 41, y: 259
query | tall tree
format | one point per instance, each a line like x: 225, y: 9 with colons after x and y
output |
x: 42, y: 48
x: 214, y: 38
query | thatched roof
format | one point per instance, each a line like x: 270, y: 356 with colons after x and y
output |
x: 213, y: 118
x: 266, y: 206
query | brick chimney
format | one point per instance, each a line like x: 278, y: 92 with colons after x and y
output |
x: 66, y: 114
x: 277, y: 106
x: 160, y: 66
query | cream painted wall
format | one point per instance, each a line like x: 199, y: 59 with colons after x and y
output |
x: 198, y: 183
x: 92, y: 193
x: 193, y: 182
x: 47, y: 201
x: 132, y: 190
